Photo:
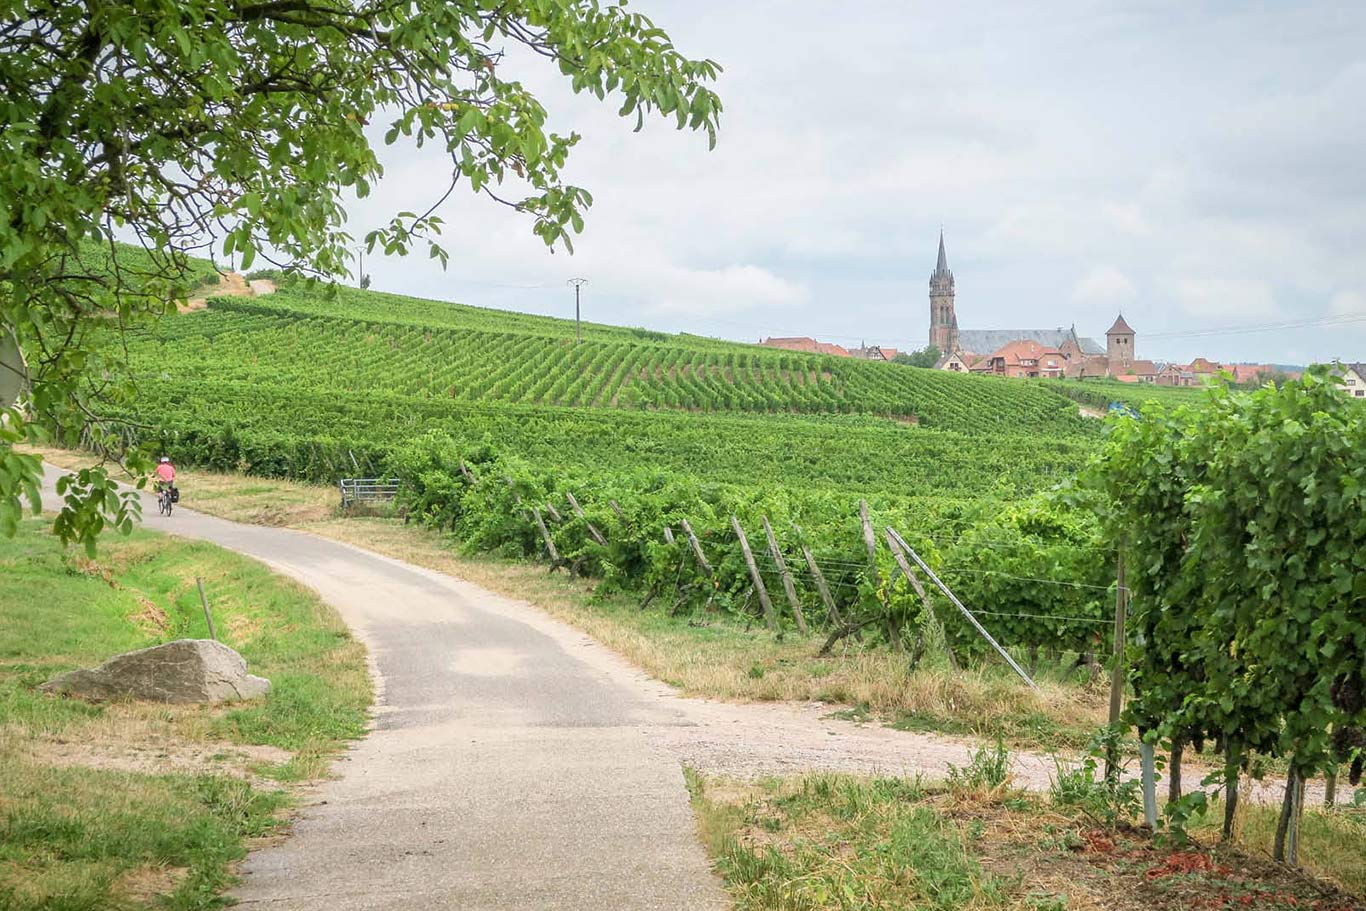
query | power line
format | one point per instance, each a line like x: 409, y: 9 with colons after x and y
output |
x: 1321, y: 322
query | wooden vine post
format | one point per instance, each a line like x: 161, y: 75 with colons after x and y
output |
x: 869, y: 539
x: 593, y: 532
x: 769, y: 618
x: 967, y: 614
x: 696, y: 546
x: 821, y: 587
x: 788, y: 587
x: 549, y: 542
x: 933, y: 618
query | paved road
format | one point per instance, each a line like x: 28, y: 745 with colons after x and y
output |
x: 509, y: 766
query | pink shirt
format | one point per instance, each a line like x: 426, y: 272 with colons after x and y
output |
x: 166, y: 471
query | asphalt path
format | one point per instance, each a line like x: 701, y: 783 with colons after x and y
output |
x: 509, y: 767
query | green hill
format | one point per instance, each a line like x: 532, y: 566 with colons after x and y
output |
x: 484, y: 414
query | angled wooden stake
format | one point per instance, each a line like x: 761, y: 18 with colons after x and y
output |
x: 925, y: 598
x: 593, y: 532
x: 938, y: 583
x: 788, y: 587
x: 545, y: 534
x: 900, y: 557
x: 696, y: 546
x: 826, y: 598
x: 769, y: 618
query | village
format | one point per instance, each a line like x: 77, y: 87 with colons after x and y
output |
x: 1051, y: 353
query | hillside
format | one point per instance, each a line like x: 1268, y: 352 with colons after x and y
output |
x: 314, y: 382
x: 379, y: 343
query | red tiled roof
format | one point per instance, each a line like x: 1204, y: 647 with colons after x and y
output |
x: 1024, y: 349
x: 808, y: 345
x: 1143, y: 368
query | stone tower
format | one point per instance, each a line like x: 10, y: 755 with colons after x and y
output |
x: 1119, y: 346
x: 943, y: 321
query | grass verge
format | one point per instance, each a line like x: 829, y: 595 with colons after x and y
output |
x: 720, y: 659
x: 128, y: 805
x: 823, y: 841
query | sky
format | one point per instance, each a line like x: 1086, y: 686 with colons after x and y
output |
x: 1199, y: 166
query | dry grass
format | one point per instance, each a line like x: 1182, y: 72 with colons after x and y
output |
x: 826, y: 841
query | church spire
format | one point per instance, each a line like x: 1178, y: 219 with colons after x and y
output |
x: 942, y: 267
x: 943, y: 319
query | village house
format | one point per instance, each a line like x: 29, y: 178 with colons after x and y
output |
x: 1351, y: 379
x: 953, y: 361
x: 1023, y: 358
x: 873, y: 353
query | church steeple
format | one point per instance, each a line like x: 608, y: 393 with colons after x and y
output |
x: 942, y: 267
x: 943, y: 320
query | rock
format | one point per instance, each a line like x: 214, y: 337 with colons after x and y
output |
x: 186, y: 670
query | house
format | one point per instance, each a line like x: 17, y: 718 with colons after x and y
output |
x: 1245, y: 374
x: 873, y: 353
x: 1351, y: 379
x: 1177, y: 375
x: 1023, y: 358
x: 1139, y: 372
x: 807, y: 346
x: 954, y: 362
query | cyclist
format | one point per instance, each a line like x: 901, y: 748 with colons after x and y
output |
x: 165, y: 474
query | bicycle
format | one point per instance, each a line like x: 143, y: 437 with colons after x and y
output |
x: 165, y: 500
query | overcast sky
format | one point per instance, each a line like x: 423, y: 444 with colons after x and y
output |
x: 1200, y: 166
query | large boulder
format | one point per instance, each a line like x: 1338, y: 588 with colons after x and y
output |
x: 186, y: 670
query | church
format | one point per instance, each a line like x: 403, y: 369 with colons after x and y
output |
x: 1051, y: 353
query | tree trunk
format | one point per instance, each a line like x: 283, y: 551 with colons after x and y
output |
x: 1232, y: 770
x: 1033, y: 659
x: 1287, y: 811
x: 1330, y: 788
x: 1174, y: 770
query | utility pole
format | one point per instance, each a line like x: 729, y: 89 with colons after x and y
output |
x: 578, y: 332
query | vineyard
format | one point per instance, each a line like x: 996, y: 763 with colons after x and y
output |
x: 791, y: 491
x: 316, y: 383
x: 247, y: 342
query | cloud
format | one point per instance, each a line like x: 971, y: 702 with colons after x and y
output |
x: 1104, y: 285
x: 725, y: 290
x: 1225, y: 186
x: 1221, y: 298
x: 1347, y: 303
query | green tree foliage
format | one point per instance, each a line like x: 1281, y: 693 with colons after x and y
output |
x: 190, y: 123
x: 1243, y: 519
x: 925, y: 357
